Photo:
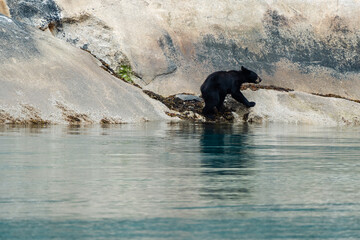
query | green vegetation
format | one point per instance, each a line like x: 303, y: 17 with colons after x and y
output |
x: 125, y: 72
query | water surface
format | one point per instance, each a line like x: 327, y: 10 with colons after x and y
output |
x: 179, y: 181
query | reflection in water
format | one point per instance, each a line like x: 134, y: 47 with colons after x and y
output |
x: 23, y: 130
x: 182, y: 181
x: 226, y: 159
x: 226, y: 146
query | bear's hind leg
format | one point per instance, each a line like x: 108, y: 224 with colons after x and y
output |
x: 210, y: 104
x: 208, y: 109
x: 220, y: 106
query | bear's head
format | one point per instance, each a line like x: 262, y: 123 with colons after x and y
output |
x: 250, y: 76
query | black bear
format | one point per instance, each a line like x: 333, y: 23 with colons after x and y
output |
x: 218, y: 84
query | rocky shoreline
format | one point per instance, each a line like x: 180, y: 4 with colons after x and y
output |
x: 47, y: 79
x: 234, y: 112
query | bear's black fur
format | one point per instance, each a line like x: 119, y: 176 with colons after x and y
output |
x: 218, y: 84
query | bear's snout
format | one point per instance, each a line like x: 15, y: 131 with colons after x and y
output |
x: 258, y: 80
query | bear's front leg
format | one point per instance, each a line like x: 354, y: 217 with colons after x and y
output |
x: 238, y: 96
x: 251, y: 104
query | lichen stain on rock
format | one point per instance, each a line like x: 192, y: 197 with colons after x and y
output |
x: 276, y: 19
x: 107, y: 120
x: 77, y: 19
x: 336, y: 96
x: 32, y: 115
x: 297, y: 41
x: 72, y: 117
x: 339, y: 25
x: 284, y: 37
x: 29, y: 116
x: 6, y: 118
x: 170, y: 52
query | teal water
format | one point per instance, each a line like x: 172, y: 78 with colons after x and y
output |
x: 180, y: 181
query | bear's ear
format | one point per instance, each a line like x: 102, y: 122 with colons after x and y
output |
x: 244, y: 69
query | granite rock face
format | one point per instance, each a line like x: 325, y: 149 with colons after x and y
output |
x: 39, y: 13
x: 297, y: 108
x: 308, y: 46
x: 45, y: 80
x: 173, y: 45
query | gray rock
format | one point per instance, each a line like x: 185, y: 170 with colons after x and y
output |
x: 298, y: 108
x: 39, y: 13
x: 15, y: 40
x: 46, y: 80
x: 174, y: 45
x: 92, y: 34
x: 186, y: 97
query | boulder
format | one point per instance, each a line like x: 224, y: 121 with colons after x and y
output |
x: 187, y: 97
x: 39, y: 13
x: 45, y: 80
x: 297, y: 108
